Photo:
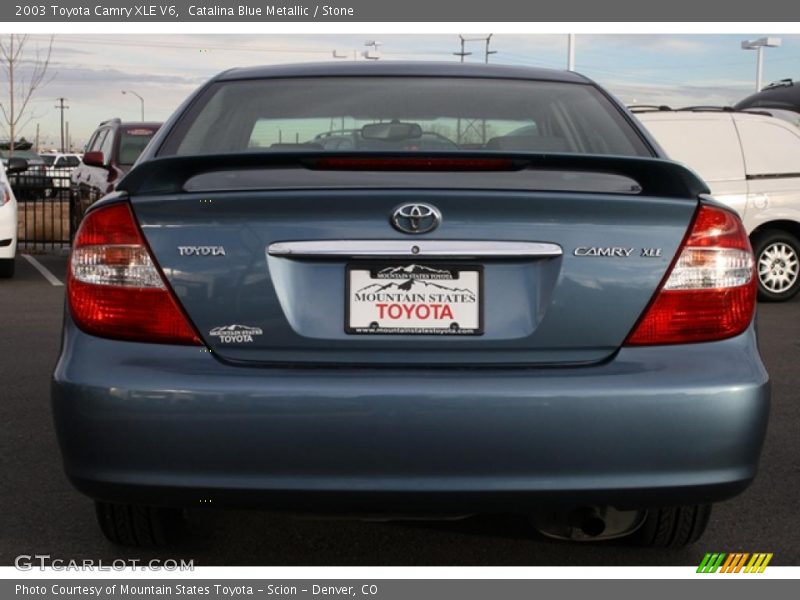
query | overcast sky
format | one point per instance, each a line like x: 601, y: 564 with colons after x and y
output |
x: 92, y: 70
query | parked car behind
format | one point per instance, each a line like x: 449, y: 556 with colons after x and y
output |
x: 8, y: 216
x: 555, y: 321
x: 110, y: 153
x: 752, y: 163
x: 60, y: 167
x: 783, y: 94
x: 34, y: 183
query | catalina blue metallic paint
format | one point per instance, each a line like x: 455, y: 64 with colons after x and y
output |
x: 176, y: 423
x: 547, y: 406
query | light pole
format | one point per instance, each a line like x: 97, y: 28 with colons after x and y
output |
x: 141, y: 100
x: 570, y: 52
x: 375, y: 53
x: 759, y: 45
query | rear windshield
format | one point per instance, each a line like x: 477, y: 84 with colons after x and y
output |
x: 406, y: 114
x: 132, y: 141
x: 48, y: 159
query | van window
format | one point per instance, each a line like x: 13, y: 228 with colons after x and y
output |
x: 97, y: 141
x: 108, y: 146
x: 770, y: 148
x: 711, y: 147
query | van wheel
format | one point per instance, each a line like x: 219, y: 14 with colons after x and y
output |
x: 777, y: 265
x: 673, y: 527
x: 140, y: 526
x: 7, y: 266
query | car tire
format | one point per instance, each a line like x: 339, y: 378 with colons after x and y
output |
x: 777, y: 265
x: 7, y: 267
x: 673, y: 527
x: 139, y: 526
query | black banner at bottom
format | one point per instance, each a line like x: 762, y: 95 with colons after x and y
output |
x: 394, y: 589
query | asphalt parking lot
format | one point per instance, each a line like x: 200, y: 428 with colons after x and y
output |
x: 42, y: 514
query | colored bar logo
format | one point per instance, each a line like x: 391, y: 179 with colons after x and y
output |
x: 736, y: 562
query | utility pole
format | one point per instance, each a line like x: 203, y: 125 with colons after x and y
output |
x: 69, y: 144
x: 475, y: 126
x: 62, y: 108
x: 36, y: 140
x: 486, y: 51
x: 462, y: 54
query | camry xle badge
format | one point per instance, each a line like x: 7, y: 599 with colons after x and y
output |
x: 416, y: 218
x: 235, y: 334
x: 602, y: 251
x: 201, y: 250
x: 615, y: 251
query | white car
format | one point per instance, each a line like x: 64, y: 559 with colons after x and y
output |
x: 8, y: 217
x: 60, y: 166
x: 751, y: 162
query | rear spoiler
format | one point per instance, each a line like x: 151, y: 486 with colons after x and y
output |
x: 655, y: 176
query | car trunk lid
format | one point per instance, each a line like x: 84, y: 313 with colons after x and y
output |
x: 558, y: 275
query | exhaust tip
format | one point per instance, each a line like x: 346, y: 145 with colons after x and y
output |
x: 589, y: 521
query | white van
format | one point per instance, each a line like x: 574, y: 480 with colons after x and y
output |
x: 752, y: 163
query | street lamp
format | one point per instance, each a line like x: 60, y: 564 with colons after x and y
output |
x: 375, y: 53
x: 759, y: 45
x: 570, y: 52
x: 141, y: 100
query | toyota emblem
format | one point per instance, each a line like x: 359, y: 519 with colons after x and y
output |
x: 416, y: 218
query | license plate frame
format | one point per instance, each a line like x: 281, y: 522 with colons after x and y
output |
x: 431, y: 276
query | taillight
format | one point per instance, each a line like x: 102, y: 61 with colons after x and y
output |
x: 114, y: 287
x: 710, y: 291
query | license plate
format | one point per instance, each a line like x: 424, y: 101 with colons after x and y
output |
x: 414, y: 299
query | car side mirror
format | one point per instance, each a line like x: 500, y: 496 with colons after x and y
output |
x: 16, y: 165
x: 94, y: 159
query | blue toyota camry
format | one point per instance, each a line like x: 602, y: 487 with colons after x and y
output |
x: 410, y: 288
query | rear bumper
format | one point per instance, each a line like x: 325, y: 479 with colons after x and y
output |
x: 173, y: 426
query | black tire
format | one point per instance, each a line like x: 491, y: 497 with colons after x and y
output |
x: 777, y: 265
x: 139, y: 526
x: 673, y: 527
x: 7, y: 266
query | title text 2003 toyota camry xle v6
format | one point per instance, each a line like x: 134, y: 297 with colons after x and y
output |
x: 410, y: 289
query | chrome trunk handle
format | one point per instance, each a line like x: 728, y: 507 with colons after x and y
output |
x: 416, y: 248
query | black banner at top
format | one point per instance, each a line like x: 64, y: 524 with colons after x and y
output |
x: 445, y: 11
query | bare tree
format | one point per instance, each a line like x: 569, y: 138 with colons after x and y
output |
x: 25, y: 72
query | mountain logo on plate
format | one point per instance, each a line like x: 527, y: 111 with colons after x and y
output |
x: 417, y: 279
x: 235, y: 334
